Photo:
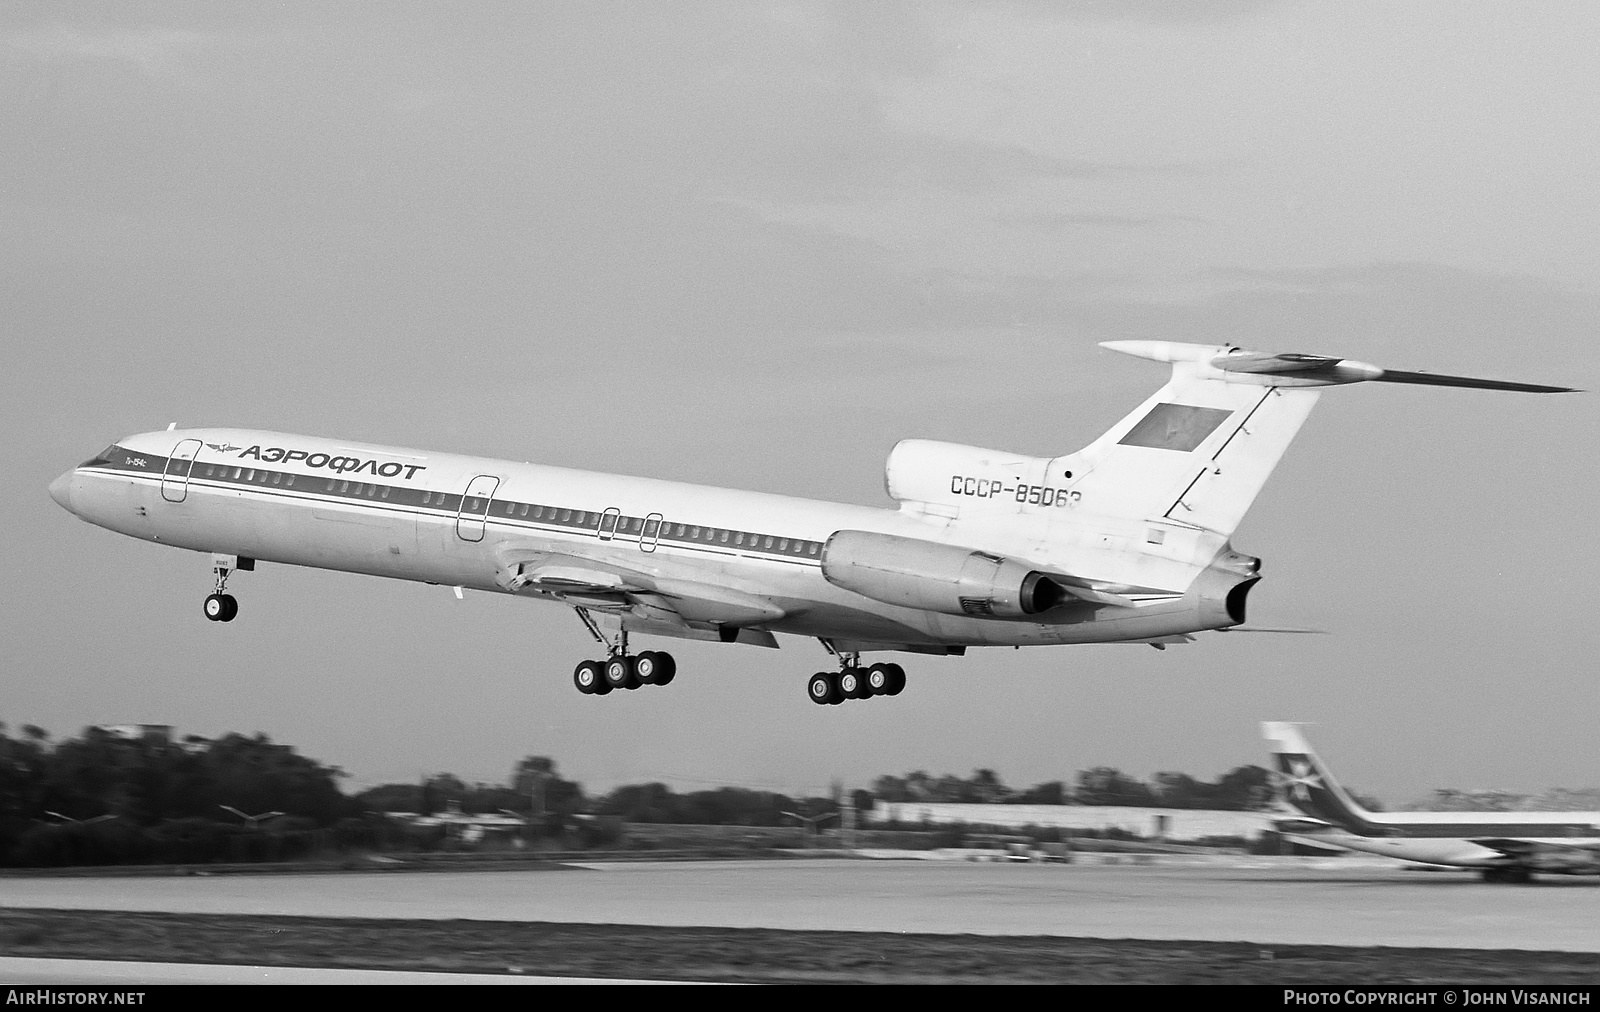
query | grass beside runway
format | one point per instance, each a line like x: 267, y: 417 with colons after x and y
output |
x: 750, y: 955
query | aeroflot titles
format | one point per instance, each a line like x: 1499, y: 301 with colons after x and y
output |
x: 343, y: 465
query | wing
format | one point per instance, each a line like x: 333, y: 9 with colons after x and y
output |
x: 643, y: 600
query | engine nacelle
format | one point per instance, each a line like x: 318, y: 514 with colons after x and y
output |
x: 923, y: 470
x: 914, y: 573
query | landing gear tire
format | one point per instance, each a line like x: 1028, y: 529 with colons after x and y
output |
x: 853, y: 684
x: 654, y: 668
x: 823, y: 688
x: 221, y: 607
x: 619, y: 673
x: 897, y: 680
x: 589, y: 677
x: 886, y: 679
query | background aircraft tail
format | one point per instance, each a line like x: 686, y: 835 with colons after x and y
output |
x: 1306, y: 785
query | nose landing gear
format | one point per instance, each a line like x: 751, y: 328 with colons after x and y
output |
x: 221, y: 606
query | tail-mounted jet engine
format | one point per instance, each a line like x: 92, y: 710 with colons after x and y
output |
x: 945, y: 578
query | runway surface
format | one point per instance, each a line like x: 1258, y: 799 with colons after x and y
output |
x: 21, y: 972
x: 1331, y: 903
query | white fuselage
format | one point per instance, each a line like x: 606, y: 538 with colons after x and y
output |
x: 468, y: 521
x: 1454, y: 851
x: 1566, y: 841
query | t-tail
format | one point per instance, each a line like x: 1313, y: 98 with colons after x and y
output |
x: 1198, y: 452
x: 1305, y: 784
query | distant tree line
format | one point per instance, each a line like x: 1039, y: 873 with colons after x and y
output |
x: 536, y: 790
x: 105, y: 798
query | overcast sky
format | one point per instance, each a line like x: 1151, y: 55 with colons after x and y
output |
x: 755, y: 245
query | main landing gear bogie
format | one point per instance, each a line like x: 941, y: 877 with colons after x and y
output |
x: 620, y: 669
x: 624, y: 671
x: 829, y: 688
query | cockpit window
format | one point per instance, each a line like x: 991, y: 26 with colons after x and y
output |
x: 102, y: 458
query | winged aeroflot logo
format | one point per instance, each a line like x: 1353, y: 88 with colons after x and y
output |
x: 224, y: 447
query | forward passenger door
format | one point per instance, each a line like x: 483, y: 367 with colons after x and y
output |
x: 475, y: 503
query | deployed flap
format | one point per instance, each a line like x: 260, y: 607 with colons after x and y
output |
x: 703, y: 602
x: 558, y: 577
x: 602, y: 583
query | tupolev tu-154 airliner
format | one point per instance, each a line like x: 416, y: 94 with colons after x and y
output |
x: 1126, y: 540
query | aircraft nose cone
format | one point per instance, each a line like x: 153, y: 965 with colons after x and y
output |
x: 61, y: 492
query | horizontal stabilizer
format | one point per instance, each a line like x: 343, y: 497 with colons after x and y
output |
x: 1295, y: 369
x: 1323, y: 370
x: 1429, y: 379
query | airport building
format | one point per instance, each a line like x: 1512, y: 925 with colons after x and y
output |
x: 1174, y: 824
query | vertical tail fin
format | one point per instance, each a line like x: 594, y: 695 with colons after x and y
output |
x: 1198, y: 451
x: 1307, y: 785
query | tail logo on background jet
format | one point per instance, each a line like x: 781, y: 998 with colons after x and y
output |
x: 1300, y: 779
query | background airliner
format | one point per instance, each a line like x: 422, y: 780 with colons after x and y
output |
x: 1505, y: 846
x: 1126, y: 540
